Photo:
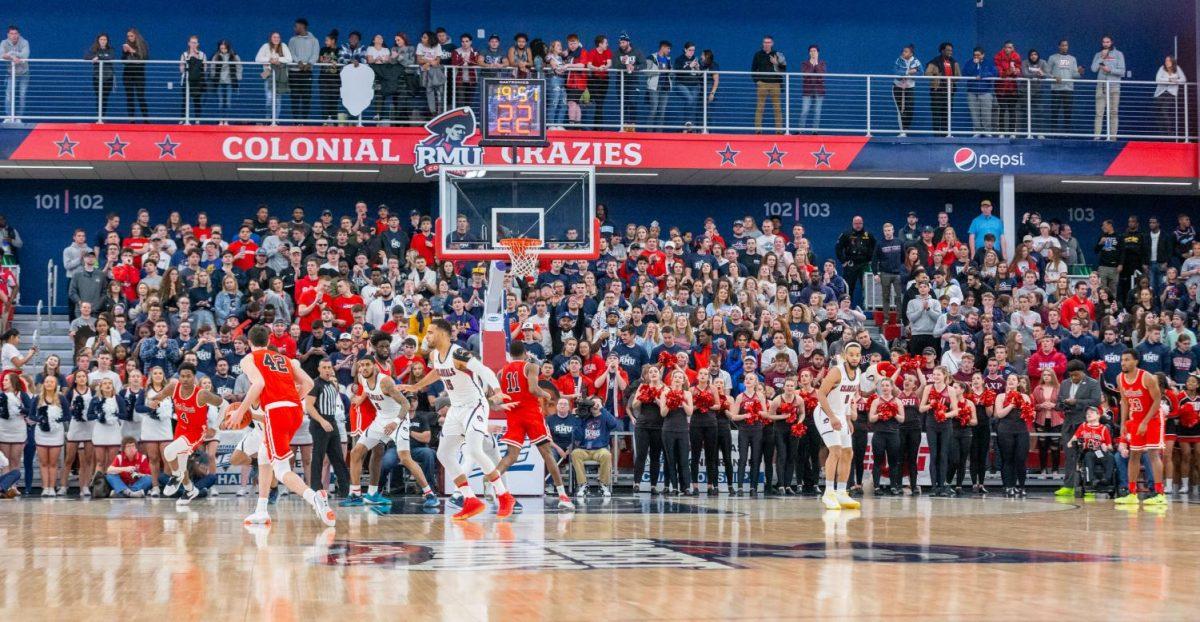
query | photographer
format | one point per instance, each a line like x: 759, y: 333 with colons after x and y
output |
x: 593, y: 437
x: 129, y: 473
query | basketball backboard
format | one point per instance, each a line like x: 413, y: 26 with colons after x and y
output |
x: 479, y: 206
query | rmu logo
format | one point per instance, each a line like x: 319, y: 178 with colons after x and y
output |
x: 446, y: 143
x: 965, y: 159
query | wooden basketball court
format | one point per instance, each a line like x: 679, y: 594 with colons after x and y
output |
x: 630, y: 558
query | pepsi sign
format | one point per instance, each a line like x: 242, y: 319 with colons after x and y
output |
x: 967, y: 159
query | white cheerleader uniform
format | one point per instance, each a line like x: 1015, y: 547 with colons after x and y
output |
x: 158, y: 431
x: 12, y: 430
x: 56, y: 436
x: 79, y: 431
x: 108, y: 432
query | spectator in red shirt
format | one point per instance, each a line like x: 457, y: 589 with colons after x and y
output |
x: 1047, y: 357
x: 310, y: 304
x: 1008, y: 67
x: 610, y: 386
x: 599, y: 61
x: 129, y: 473
x: 312, y: 270
x: 127, y: 274
x: 136, y: 242
x: 343, y: 303
x: 282, y: 339
x: 422, y: 241
x: 243, y: 249
x: 402, y: 363
x: 1071, y: 305
x: 201, y: 230
x: 572, y: 385
x: 657, y: 260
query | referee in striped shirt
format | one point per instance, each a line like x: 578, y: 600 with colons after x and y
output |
x: 321, y: 404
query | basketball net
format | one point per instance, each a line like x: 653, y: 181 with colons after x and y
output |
x: 522, y: 263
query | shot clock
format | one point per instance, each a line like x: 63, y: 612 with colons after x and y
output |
x: 514, y: 112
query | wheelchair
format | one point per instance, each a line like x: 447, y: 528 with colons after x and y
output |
x: 1090, y: 475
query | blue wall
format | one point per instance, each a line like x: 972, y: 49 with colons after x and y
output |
x: 47, y: 231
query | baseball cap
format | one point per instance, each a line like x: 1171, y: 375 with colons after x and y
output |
x: 928, y: 350
x: 478, y: 270
x: 528, y: 325
x: 493, y: 36
x: 326, y: 212
x: 955, y: 300
x: 260, y: 253
x: 624, y: 36
x: 912, y: 213
x: 669, y: 244
x: 739, y: 223
x: 344, y: 337
x: 613, y: 312
x: 280, y: 322
x: 414, y: 213
x: 927, y: 229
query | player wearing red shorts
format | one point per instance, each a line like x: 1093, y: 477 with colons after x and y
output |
x: 276, y: 384
x: 527, y: 418
x: 1142, y: 422
x: 190, y: 403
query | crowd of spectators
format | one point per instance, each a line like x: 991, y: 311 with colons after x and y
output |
x: 745, y: 315
x: 653, y: 84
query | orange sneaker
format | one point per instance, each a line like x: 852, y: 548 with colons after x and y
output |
x: 471, y: 506
x: 506, y: 502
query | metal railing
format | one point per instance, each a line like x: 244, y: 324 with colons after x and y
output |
x: 668, y: 100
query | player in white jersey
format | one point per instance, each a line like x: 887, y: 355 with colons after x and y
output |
x: 466, y: 380
x: 836, y: 399
x: 392, y: 422
x: 252, y: 446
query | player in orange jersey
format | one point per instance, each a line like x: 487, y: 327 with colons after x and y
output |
x: 190, y: 404
x: 1142, y: 423
x: 276, y: 384
x: 527, y: 419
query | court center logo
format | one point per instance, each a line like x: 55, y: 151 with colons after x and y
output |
x: 502, y: 555
x: 446, y: 144
x: 967, y: 159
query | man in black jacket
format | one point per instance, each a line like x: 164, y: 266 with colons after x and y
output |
x: 1108, y: 256
x: 887, y: 264
x: 1134, y: 257
x: 855, y: 249
x: 1159, y: 250
x: 768, y: 66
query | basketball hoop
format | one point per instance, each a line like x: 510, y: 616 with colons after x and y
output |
x: 522, y: 263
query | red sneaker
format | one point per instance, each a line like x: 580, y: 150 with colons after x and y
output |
x: 506, y: 502
x: 472, y: 506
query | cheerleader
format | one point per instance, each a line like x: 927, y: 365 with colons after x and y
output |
x: 985, y: 402
x: 155, y: 424
x: 1014, y: 411
x: 50, y: 414
x: 1188, y: 438
x: 648, y: 422
x: 79, y: 434
x: 886, y: 416
x: 724, y: 432
x: 964, y: 418
x: 13, y: 430
x: 676, y: 405
x: 910, y: 428
x: 811, y: 444
x: 105, y: 414
x: 706, y: 402
x: 132, y: 392
x: 748, y: 411
x: 788, y: 411
x: 937, y: 402
x: 11, y: 361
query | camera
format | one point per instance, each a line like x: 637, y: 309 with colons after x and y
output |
x: 584, y: 407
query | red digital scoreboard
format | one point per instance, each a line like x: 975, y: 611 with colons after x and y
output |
x: 514, y: 112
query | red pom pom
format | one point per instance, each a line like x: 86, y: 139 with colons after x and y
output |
x: 666, y: 359
x: 703, y: 400
x: 1097, y: 369
x: 887, y: 411
x: 647, y: 393
x: 810, y: 402
x: 752, y: 408
x: 965, y: 412
x: 799, y: 429
x: 789, y: 409
x: 674, y: 399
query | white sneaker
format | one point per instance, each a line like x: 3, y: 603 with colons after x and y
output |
x: 85, y: 492
x: 188, y: 496
x: 258, y: 518
x: 47, y: 492
x: 154, y: 492
x: 213, y: 492
x: 171, y: 488
x: 564, y: 503
x: 846, y: 501
x: 320, y: 504
x: 605, y: 491
x: 830, y: 501
x: 902, y: 135
x: 61, y: 492
x: 243, y: 491
x: 581, y: 493
x: 137, y: 494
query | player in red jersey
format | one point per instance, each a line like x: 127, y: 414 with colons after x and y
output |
x: 527, y: 418
x: 1142, y: 422
x: 276, y: 384
x: 191, y: 404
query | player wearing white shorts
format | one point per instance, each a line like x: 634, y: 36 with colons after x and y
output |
x: 466, y: 380
x: 391, y: 424
x: 836, y: 399
x: 253, y: 446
